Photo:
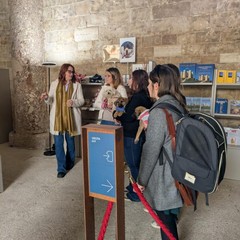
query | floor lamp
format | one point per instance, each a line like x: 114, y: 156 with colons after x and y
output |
x: 50, y: 150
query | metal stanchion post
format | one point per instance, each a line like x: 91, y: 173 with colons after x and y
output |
x: 50, y: 150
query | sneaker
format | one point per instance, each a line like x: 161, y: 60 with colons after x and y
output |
x: 155, y: 225
x: 145, y: 210
x: 61, y: 175
x: 126, y: 198
x: 129, y: 188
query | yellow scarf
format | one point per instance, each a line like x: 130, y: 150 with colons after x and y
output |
x: 63, y: 116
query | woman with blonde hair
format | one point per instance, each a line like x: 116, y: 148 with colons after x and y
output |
x: 113, y: 79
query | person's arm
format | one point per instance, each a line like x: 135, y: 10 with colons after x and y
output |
x: 155, y: 136
x: 51, y: 93
x: 99, y: 99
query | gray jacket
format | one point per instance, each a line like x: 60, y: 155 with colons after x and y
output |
x: 160, y: 190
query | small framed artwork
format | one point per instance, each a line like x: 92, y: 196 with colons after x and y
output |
x: 111, y: 53
x: 127, y: 49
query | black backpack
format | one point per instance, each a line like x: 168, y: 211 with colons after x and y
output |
x: 200, y: 151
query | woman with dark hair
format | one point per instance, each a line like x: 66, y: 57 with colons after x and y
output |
x: 65, y: 97
x: 177, y: 71
x: 155, y: 179
x: 132, y: 152
x: 113, y: 79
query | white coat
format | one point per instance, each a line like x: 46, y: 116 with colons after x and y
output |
x: 106, y: 114
x: 78, y: 101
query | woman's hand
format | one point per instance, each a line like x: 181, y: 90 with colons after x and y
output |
x: 69, y: 102
x: 44, y: 96
x: 141, y: 188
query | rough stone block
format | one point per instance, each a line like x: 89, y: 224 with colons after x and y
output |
x: 229, y: 58
x: 167, y: 51
x: 171, y: 10
x: 200, y: 7
x: 169, y: 39
x: 87, y: 34
x: 85, y: 46
x: 135, y: 3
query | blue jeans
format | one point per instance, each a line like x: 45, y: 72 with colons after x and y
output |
x: 64, y: 161
x: 132, y: 153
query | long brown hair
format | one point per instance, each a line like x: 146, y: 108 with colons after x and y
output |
x: 168, y: 82
x: 63, y: 70
x: 140, y: 81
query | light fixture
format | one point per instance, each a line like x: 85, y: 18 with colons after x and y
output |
x: 50, y: 150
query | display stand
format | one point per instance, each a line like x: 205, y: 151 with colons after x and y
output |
x: 103, y: 170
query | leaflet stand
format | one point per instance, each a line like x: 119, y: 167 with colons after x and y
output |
x: 103, y: 171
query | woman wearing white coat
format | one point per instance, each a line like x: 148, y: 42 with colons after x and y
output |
x: 65, y: 97
x: 112, y: 78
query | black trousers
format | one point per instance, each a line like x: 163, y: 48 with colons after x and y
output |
x: 169, y: 221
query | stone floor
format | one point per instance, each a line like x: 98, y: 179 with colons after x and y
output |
x: 36, y: 205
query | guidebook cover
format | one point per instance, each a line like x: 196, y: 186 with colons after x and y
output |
x: 234, y: 107
x: 221, y: 76
x: 205, y: 105
x: 188, y: 72
x: 196, y: 103
x: 231, y: 76
x: 221, y: 105
x: 189, y: 103
x: 205, y: 72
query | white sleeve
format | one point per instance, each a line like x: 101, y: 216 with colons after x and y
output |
x: 99, y: 99
x: 51, y: 93
x: 122, y: 90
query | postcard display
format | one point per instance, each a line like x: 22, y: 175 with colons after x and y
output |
x: 204, y: 79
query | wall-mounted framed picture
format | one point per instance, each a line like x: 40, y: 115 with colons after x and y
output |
x: 127, y: 49
x: 111, y: 53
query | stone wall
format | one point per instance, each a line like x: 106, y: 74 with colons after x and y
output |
x: 201, y: 31
x: 5, y: 42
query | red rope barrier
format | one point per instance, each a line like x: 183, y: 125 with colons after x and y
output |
x: 105, y: 221
x: 151, y: 211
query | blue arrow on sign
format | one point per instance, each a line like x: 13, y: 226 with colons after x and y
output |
x: 109, y: 186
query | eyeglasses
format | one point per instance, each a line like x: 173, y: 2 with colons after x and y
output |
x: 70, y: 71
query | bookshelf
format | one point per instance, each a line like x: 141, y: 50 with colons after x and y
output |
x: 216, y: 90
x: 199, y: 90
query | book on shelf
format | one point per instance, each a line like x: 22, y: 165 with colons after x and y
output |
x: 221, y: 76
x: 231, y: 76
x: 238, y: 77
x: 188, y: 72
x: 234, y: 107
x: 205, y: 105
x: 199, y: 104
x: 189, y: 103
x: 233, y: 136
x: 205, y: 72
x: 196, y: 103
x: 221, y: 105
